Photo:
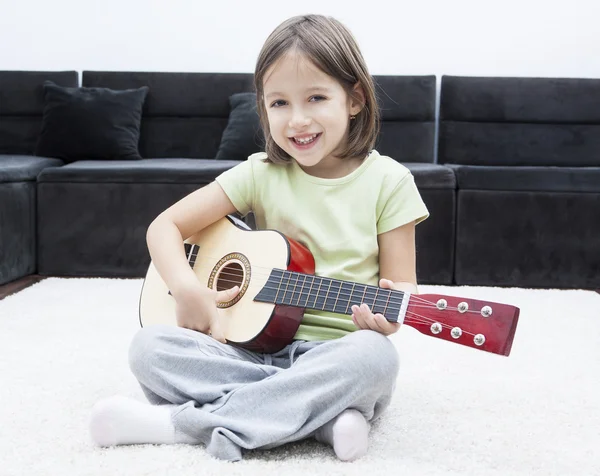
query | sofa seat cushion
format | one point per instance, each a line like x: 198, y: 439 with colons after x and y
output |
x: 431, y: 176
x: 24, y: 168
x: 140, y: 171
x: 528, y: 178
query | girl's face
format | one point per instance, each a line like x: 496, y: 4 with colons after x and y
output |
x: 308, y: 112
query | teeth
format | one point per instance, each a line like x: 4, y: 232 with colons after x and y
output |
x: 305, y: 140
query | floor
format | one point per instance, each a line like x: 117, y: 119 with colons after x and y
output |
x: 18, y: 285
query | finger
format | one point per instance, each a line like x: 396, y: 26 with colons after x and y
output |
x: 358, y: 318
x: 382, y: 324
x: 227, y: 294
x: 364, y: 316
x: 375, y: 322
x: 370, y: 320
x: 386, y: 283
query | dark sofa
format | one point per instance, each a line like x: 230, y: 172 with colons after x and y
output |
x: 526, y: 153
x: 21, y: 108
x: 92, y: 215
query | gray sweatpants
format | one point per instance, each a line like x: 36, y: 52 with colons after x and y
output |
x: 230, y: 399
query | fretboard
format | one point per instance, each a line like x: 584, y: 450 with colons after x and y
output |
x: 333, y: 295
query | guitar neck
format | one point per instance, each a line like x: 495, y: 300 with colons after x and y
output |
x: 308, y: 291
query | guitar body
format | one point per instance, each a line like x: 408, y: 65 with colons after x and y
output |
x: 228, y: 255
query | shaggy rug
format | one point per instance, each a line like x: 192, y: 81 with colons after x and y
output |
x: 63, y: 345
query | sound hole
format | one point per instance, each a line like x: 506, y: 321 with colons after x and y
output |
x: 232, y: 274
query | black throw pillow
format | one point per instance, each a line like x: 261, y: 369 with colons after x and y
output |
x: 91, y: 123
x: 243, y: 135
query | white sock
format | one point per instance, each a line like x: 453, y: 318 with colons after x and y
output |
x: 348, y: 434
x: 125, y: 421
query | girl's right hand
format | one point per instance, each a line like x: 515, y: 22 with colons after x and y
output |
x: 196, y: 309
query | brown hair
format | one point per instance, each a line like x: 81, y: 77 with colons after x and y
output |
x: 332, y: 48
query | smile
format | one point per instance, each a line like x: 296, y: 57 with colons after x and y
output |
x: 305, y: 140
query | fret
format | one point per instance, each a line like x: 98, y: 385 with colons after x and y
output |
x: 279, y: 286
x: 294, y: 288
x: 387, y: 302
x: 287, y: 285
x: 380, y: 302
x: 314, y: 306
x: 191, y: 253
x: 327, y: 294
x: 361, y: 291
x: 395, y: 303
x: 338, y: 296
x: 350, y: 298
x: 300, y: 292
x: 374, y: 306
x: 334, y: 290
x: 321, y: 297
x: 309, y: 293
x: 343, y: 304
x: 369, y: 298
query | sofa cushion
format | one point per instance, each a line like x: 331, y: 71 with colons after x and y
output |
x: 22, y: 105
x: 432, y: 176
x: 520, y: 100
x: 243, y: 135
x: 520, y: 121
x: 528, y: 179
x: 488, y: 143
x: 24, y: 168
x: 201, y: 171
x: 407, y: 105
x: 91, y: 123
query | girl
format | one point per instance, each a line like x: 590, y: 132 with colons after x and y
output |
x: 320, y: 183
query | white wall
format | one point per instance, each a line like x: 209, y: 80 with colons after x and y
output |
x: 468, y: 37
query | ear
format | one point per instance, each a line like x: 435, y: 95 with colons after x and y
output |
x: 357, y: 99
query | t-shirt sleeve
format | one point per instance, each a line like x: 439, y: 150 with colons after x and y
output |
x: 238, y: 185
x: 402, y: 205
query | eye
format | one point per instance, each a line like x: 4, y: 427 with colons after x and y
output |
x: 278, y: 103
x: 317, y: 98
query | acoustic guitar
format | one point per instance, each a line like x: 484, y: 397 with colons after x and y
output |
x: 277, y: 283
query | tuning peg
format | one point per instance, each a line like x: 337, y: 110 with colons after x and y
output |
x: 486, y: 311
x: 442, y: 304
x: 436, y: 328
x: 479, y: 339
x: 463, y: 307
x: 456, y: 332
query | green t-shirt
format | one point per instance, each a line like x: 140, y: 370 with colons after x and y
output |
x: 338, y: 220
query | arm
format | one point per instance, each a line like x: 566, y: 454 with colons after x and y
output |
x: 165, y: 237
x: 397, y: 270
x: 397, y: 258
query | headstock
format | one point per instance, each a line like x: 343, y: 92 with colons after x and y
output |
x: 483, y: 325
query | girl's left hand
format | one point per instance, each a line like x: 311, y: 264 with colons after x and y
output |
x: 363, y: 318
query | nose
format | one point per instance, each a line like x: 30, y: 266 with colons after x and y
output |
x: 299, y: 119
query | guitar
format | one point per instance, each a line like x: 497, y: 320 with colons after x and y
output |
x: 276, y: 280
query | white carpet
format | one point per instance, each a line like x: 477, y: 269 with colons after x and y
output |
x: 63, y: 345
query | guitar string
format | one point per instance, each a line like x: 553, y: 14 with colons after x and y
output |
x: 288, y: 284
x: 347, y: 297
x: 237, y: 275
x: 413, y: 297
